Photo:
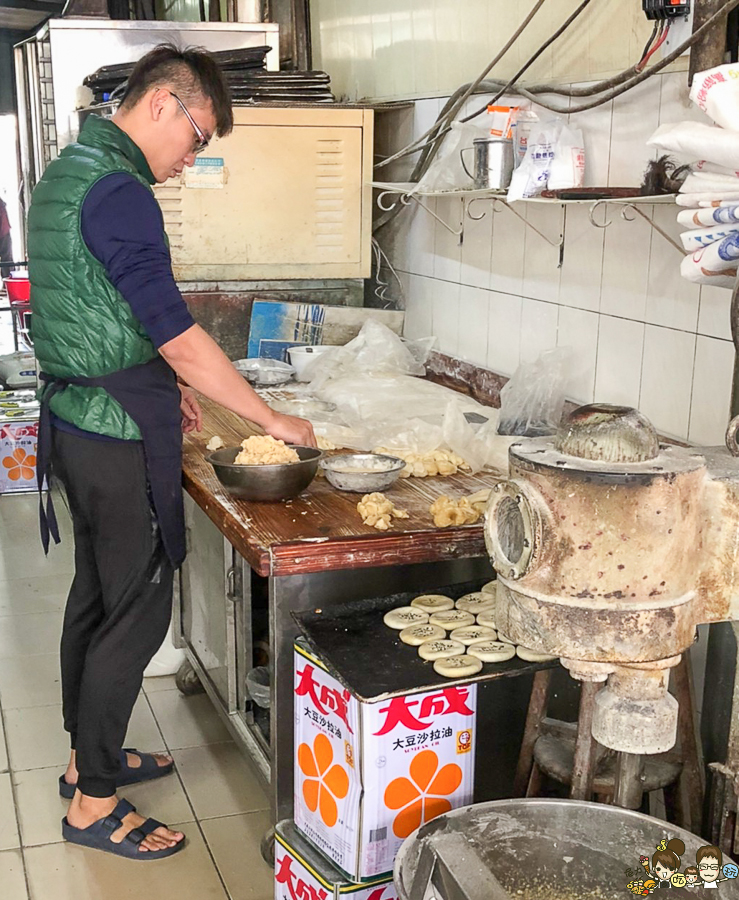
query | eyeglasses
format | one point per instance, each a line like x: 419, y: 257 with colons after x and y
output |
x: 201, y: 141
x: 707, y: 868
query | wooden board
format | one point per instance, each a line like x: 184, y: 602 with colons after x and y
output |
x: 321, y: 530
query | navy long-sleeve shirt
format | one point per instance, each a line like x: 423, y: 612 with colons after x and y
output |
x: 123, y: 228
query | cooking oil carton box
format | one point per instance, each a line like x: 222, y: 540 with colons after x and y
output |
x: 301, y: 873
x: 368, y: 774
x: 18, y: 440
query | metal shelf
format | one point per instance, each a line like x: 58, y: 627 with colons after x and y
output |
x: 408, y: 192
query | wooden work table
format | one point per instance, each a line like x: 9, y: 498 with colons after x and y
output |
x: 321, y: 529
x: 251, y: 563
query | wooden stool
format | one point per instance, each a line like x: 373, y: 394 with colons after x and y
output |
x: 568, y: 753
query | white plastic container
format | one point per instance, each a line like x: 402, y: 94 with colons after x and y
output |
x: 300, y: 357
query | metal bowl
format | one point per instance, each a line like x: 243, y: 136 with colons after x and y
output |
x: 268, y: 484
x: 545, y: 849
x: 303, y: 408
x: 384, y: 471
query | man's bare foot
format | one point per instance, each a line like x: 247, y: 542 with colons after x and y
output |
x: 134, y: 761
x: 84, y: 810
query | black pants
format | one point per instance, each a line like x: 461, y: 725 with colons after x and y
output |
x: 120, y: 602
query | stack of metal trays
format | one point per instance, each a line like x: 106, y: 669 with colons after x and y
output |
x: 245, y: 73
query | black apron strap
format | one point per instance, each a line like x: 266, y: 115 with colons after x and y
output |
x: 48, y: 525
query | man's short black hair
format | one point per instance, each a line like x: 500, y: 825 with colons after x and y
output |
x: 192, y: 74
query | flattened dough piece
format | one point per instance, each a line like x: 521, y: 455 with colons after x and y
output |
x: 452, y: 618
x: 432, y: 603
x: 458, y: 666
x: 532, y: 655
x: 404, y: 617
x: 419, y: 634
x: 490, y: 588
x: 486, y: 618
x: 492, y: 651
x: 477, y: 602
x: 472, y: 633
x: 440, y: 649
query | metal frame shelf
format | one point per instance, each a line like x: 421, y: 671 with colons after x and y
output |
x: 408, y: 192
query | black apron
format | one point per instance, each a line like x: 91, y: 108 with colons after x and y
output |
x: 150, y: 396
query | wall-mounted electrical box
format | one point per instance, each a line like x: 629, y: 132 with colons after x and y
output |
x: 665, y: 9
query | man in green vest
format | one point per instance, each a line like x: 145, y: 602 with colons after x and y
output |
x: 111, y: 333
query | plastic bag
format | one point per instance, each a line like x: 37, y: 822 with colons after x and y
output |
x: 446, y: 172
x: 532, y: 176
x: 376, y: 350
x: 531, y: 403
x: 716, y: 92
x: 568, y: 166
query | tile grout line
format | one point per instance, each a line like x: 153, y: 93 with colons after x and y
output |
x: 14, y: 798
x: 196, y: 820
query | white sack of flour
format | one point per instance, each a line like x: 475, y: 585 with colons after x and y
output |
x: 716, y: 92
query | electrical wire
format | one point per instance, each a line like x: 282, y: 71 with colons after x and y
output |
x: 532, y: 59
x: 466, y: 92
x: 664, y: 33
x: 657, y: 26
x: 625, y: 80
x: 379, y: 254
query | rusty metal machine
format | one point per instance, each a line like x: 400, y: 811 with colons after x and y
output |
x: 610, y: 548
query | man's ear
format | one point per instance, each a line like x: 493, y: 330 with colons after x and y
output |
x: 157, y: 100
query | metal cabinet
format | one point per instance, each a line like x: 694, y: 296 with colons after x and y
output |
x: 214, y: 626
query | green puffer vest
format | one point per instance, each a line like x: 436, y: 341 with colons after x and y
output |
x: 82, y: 326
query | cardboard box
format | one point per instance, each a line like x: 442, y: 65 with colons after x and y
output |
x: 18, y: 455
x: 301, y: 873
x: 368, y: 774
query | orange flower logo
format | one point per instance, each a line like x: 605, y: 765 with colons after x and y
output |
x: 421, y: 797
x: 323, y: 782
x: 20, y: 465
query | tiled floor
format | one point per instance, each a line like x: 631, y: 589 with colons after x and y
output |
x: 214, y: 796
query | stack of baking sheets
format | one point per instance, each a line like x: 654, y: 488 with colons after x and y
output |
x: 247, y: 78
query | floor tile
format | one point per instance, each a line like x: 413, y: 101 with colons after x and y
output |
x: 11, y: 876
x: 27, y: 559
x: 159, y: 683
x: 219, y: 781
x: 40, y: 808
x: 30, y: 635
x: 8, y: 828
x: 234, y: 842
x: 187, y: 721
x: 36, y: 737
x: 25, y: 596
x: 30, y: 681
x: 67, y: 872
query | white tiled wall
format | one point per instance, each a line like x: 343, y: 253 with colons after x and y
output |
x: 384, y: 49
x: 641, y: 334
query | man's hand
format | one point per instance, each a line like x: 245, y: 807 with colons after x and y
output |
x: 291, y: 430
x: 192, y: 414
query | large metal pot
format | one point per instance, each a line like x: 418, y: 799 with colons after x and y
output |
x: 268, y: 484
x: 542, y: 850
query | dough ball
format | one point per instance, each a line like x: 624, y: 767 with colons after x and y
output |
x: 215, y: 443
x: 452, y: 618
x: 432, y: 603
x: 490, y: 588
x: 477, y: 602
x: 532, y: 655
x: 404, y: 617
x: 473, y: 633
x: 492, y: 651
x: 419, y: 634
x: 458, y: 666
x: 440, y: 649
x: 486, y: 618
